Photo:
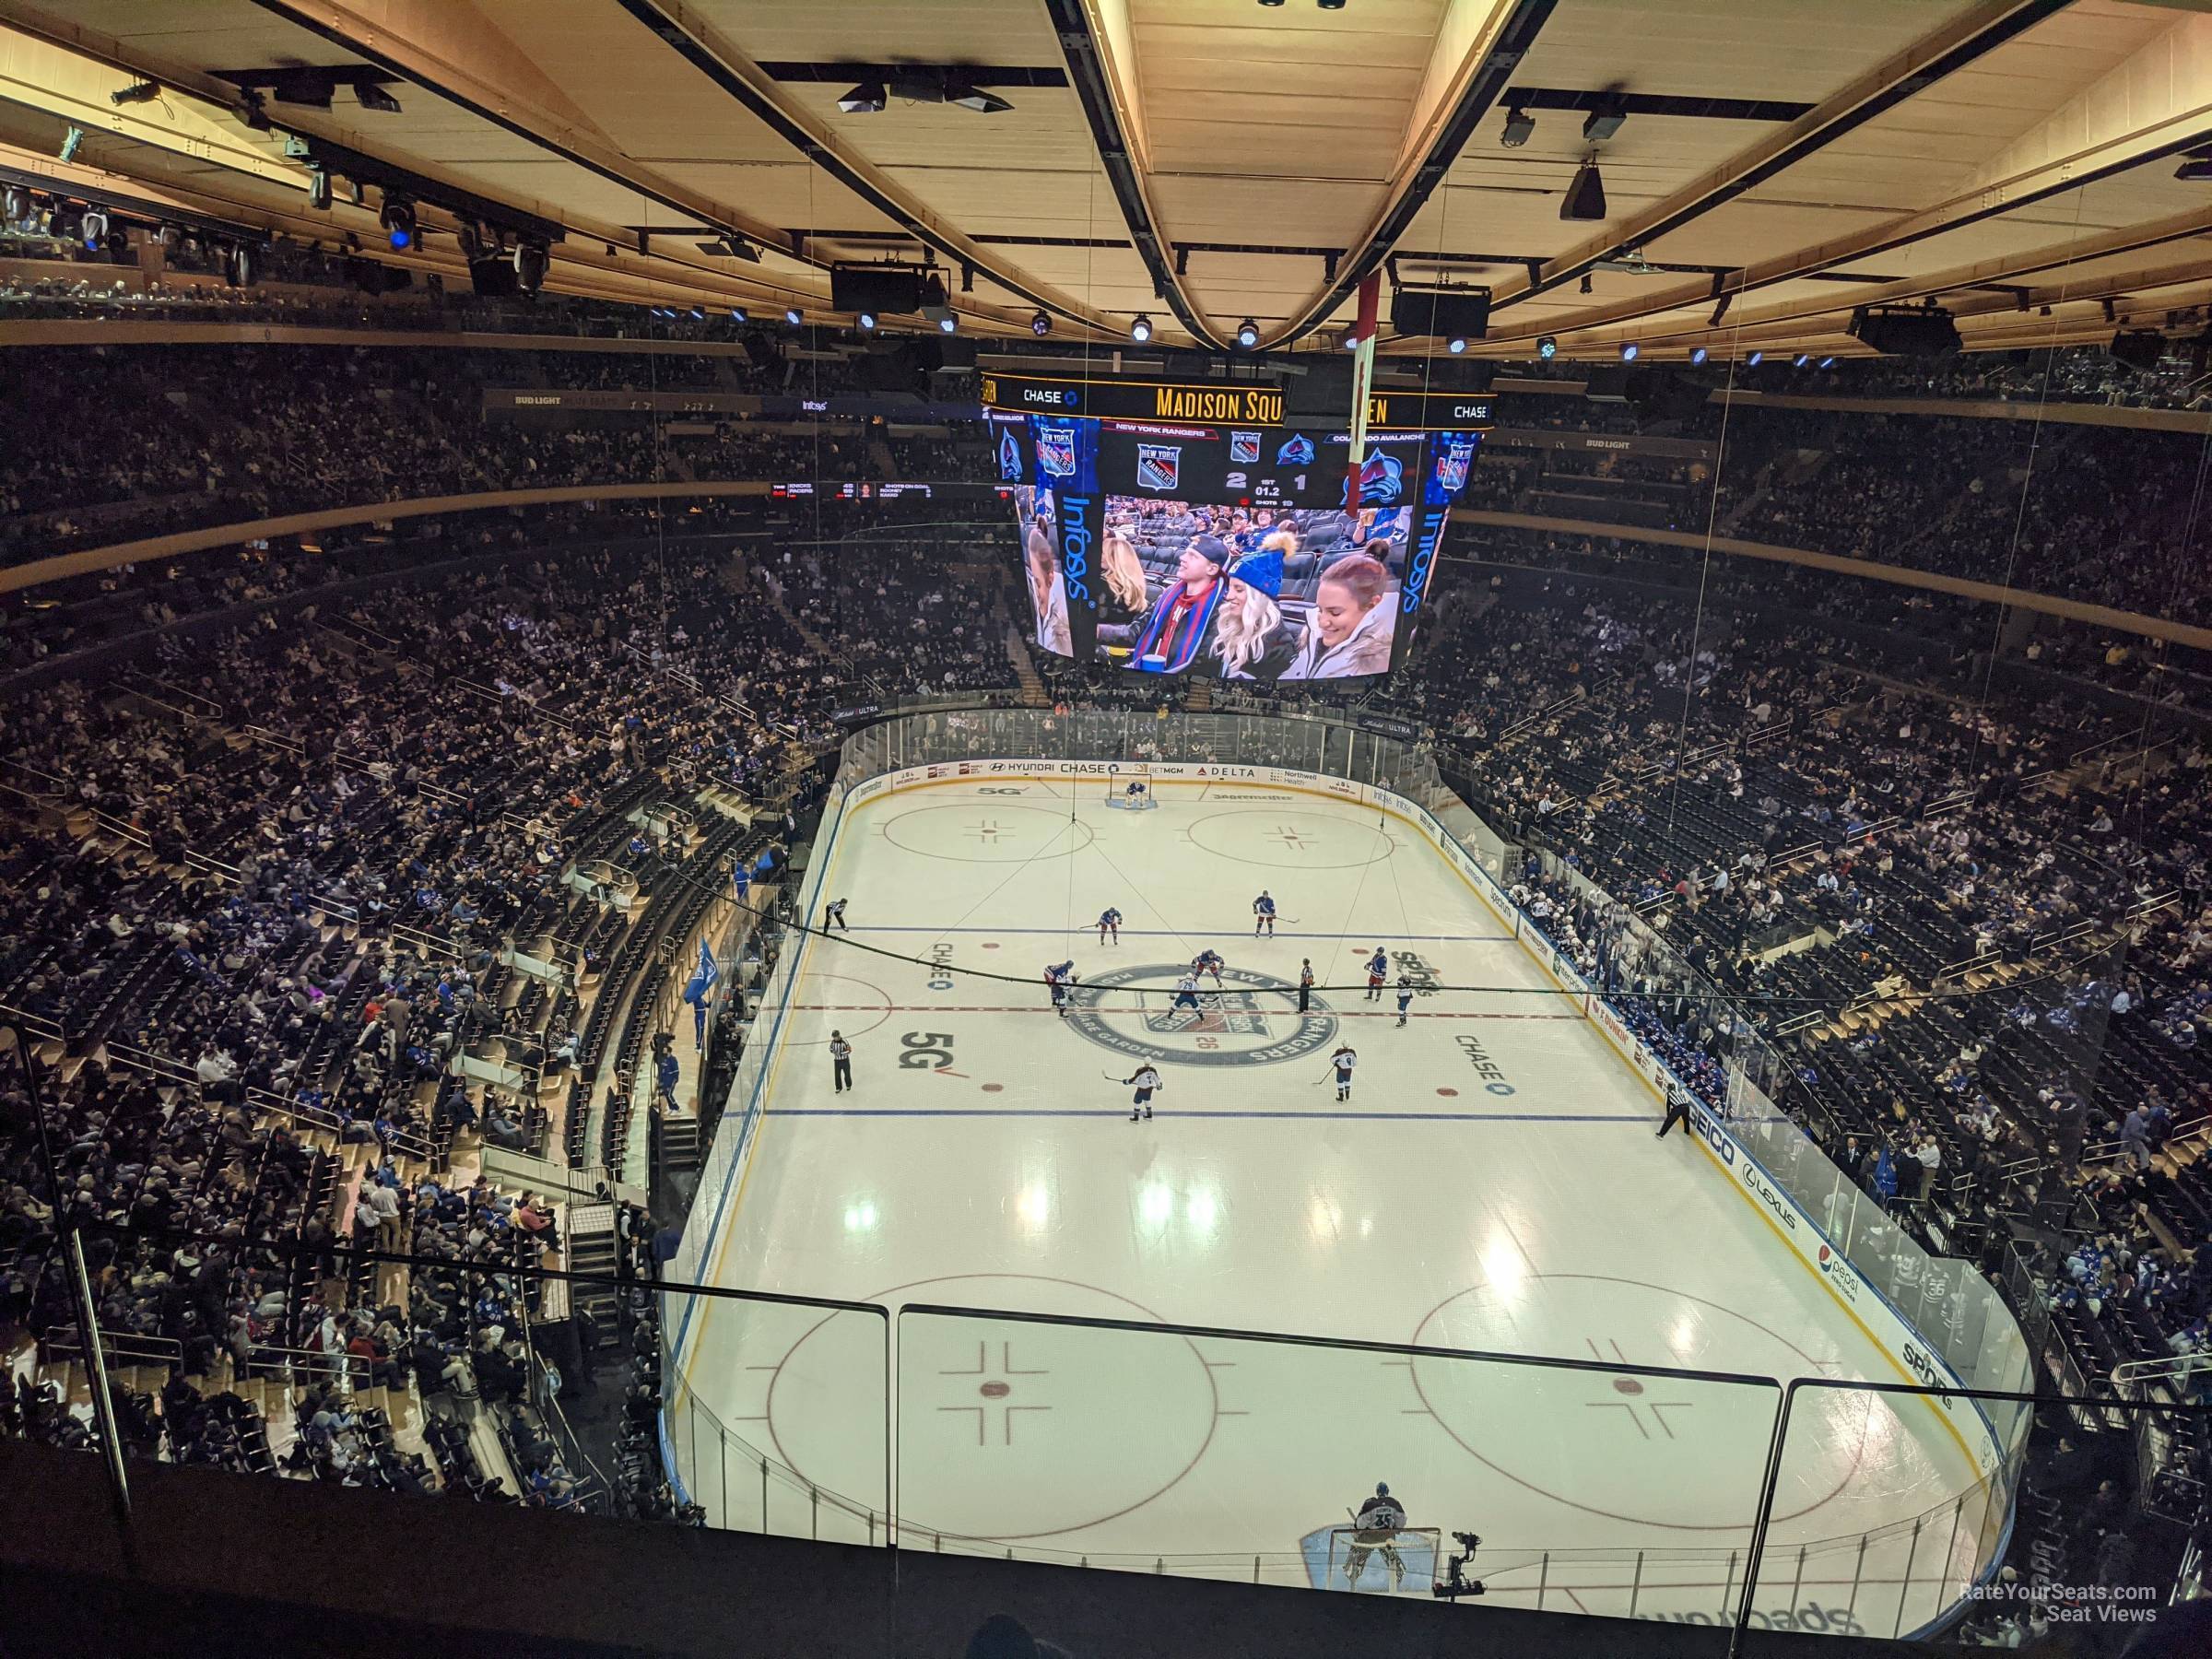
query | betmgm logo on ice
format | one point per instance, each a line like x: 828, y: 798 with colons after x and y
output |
x: 1252, y: 1018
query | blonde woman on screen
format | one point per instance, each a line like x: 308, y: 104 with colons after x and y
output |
x: 1348, y: 632
x: 1048, y: 596
x: 1126, y: 596
x: 1251, y: 639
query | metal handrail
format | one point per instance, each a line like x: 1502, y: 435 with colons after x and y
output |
x: 2160, y: 1371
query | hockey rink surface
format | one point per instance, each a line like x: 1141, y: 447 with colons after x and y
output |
x: 1492, y: 1184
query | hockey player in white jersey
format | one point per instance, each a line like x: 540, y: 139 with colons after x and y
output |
x: 1146, y: 1079
x: 1378, y: 1523
x: 1342, y: 1062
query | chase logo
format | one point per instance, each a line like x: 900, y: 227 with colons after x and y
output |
x: 1298, y: 452
x: 1381, y: 478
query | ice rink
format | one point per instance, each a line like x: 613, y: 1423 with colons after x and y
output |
x: 1492, y: 1184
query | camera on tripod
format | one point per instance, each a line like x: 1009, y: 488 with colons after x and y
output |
x: 1456, y: 1582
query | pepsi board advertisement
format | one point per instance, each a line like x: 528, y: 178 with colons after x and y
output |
x: 1236, y: 552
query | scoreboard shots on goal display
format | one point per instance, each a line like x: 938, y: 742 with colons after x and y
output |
x: 1170, y: 529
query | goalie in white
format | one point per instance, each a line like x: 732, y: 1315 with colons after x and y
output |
x: 1378, y: 1522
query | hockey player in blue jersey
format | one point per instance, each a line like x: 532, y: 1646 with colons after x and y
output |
x: 1208, y: 961
x: 1378, y: 967
x: 1060, y: 976
x: 1110, y: 921
x: 1263, y: 915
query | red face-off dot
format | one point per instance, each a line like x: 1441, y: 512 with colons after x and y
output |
x: 996, y: 1390
x: 993, y: 1087
x: 1628, y: 1385
x: 1449, y: 1094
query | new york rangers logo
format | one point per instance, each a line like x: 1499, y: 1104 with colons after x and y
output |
x: 1243, y: 449
x: 1057, y: 450
x: 1158, y: 465
x: 1299, y: 452
x: 1452, y: 466
x: 1009, y: 459
x: 1381, y: 478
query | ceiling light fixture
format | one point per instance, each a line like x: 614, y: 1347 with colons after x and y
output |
x: 1698, y: 355
x: 1756, y: 358
x: 531, y: 260
x: 136, y: 92
x: 792, y: 316
x: 975, y: 97
x: 1520, y: 127
x: 1040, y: 325
x: 1248, y: 334
x: 397, y: 217
x: 737, y: 313
x: 948, y: 325
x: 866, y: 98
x: 867, y: 321
x: 1455, y: 344
x: 1628, y: 351
x: 1140, y: 328
x: 372, y: 96
x: 318, y: 190
x: 1547, y: 347
x: 1604, y: 120
x: 94, y: 228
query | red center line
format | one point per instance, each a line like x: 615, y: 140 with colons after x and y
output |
x: 1024, y: 1008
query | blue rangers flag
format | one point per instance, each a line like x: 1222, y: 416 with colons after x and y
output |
x: 702, y: 977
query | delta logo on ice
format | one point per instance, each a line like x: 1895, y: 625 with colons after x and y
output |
x: 1057, y: 450
x: 1243, y: 449
x: 1009, y: 459
x: 1299, y: 452
x: 1381, y: 478
x: 1158, y: 465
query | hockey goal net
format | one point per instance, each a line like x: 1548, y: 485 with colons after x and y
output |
x: 1360, y: 1559
x: 1130, y: 786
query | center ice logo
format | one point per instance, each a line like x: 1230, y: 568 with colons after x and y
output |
x: 1253, y: 1018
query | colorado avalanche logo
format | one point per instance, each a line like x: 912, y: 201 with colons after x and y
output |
x: 1452, y: 466
x: 1299, y: 452
x: 1057, y: 450
x: 1009, y: 459
x: 1381, y: 478
x: 1158, y: 465
x: 1243, y: 449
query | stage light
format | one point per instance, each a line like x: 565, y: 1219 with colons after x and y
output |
x: 1627, y: 352
x: 1520, y: 127
x: 867, y: 99
x: 1920, y: 331
x: 1755, y: 359
x: 792, y: 316
x: 1585, y: 198
x: 1801, y: 359
x: 1605, y: 120
x: 318, y: 190
x: 974, y: 98
x: 949, y: 325
x: 1040, y: 325
x: 2194, y: 172
x: 530, y: 262
x: 397, y: 217
x: 1455, y: 344
x: 1248, y: 334
x: 372, y: 96
x: 1329, y: 5
x: 1140, y: 328
x: 1698, y: 354
x: 238, y: 266
x: 937, y: 305
x: 1547, y: 347
x: 698, y: 313
x: 136, y: 92
x: 1351, y: 342
x: 1827, y: 362
x: 867, y: 320
x: 94, y: 228
x: 16, y: 204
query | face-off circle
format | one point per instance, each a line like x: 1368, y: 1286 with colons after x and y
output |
x: 987, y: 831
x: 1619, y: 1446
x: 1252, y: 1020
x: 1001, y: 1420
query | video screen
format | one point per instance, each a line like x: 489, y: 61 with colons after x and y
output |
x: 1250, y: 593
x: 1227, y: 552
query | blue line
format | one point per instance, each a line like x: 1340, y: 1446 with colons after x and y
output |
x: 1415, y: 1117
x: 1169, y: 933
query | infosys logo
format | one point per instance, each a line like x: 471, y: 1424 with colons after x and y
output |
x: 1075, y: 546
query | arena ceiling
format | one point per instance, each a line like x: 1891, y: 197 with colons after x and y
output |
x: 1775, y: 164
